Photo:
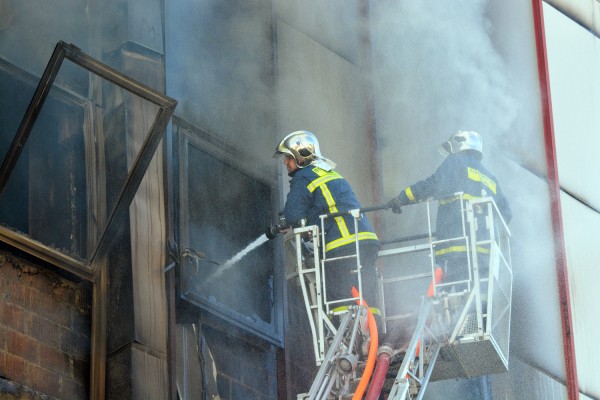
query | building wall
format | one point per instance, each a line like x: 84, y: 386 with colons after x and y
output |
x: 45, y: 329
x: 573, y: 63
x: 474, y: 67
x: 428, y: 83
x: 535, y: 336
x: 28, y: 35
x: 244, y: 370
x: 530, y: 383
x: 320, y: 91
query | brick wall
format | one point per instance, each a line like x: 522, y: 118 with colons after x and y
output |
x: 44, y: 332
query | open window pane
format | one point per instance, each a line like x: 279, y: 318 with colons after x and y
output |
x: 76, y: 160
x: 225, y: 209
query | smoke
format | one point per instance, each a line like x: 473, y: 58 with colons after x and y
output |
x: 436, y: 72
x: 442, y: 66
x: 220, y: 70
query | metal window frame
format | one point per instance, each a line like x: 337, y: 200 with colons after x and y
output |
x: 166, y: 106
x: 189, y: 136
x: 95, y: 269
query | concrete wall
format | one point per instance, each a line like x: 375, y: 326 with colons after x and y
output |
x: 320, y: 91
x: 220, y: 67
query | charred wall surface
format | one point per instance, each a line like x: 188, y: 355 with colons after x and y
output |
x: 45, y: 332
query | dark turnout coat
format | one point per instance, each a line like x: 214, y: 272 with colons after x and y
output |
x: 460, y: 172
x: 314, y: 192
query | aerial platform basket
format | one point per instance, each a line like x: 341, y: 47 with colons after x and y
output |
x: 468, y: 323
x: 479, y: 343
x: 462, y: 327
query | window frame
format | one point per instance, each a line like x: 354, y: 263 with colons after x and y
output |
x: 86, y: 269
x: 186, y: 135
x: 94, y: 269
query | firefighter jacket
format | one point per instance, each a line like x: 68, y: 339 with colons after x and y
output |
x: 460, y: 172
x: 314, y: 192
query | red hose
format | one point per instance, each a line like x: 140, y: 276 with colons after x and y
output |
x: 383, y: 363
x: 373, y: 344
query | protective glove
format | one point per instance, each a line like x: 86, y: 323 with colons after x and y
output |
x: 395, y: 205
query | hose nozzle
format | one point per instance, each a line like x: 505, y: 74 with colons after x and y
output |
x: 274, y: 230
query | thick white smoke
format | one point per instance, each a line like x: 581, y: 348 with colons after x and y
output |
x: 441, y: 66
x: 436, y: 71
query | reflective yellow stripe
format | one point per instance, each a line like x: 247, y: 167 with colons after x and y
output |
x: 448, y: 200
x: 323, y: 179
x: 341, y: 223
x: 338, y: 310
x: 328, y: 199
x: 346, y: 237
x: 476, y: 175
x: 459, y: 249
x: 350, y: 239
x: 409, y: 194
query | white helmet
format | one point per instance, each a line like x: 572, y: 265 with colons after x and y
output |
x: 461, y: 141
x: 304, y: 147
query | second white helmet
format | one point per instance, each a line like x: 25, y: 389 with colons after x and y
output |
x: 460, y: 141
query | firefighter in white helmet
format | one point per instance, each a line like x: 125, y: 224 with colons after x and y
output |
x: 461, y: 171
x: 316, y: 189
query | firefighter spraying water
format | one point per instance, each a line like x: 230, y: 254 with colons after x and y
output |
x: 461, y: 328
x: 317, y: 189
x: 464, y: 317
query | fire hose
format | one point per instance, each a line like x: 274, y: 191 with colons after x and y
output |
x: 273, y: 230
x: 373, y: 344
x: 383, y: 363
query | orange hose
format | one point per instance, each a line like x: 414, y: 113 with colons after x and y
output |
x: 373, y: 345
x: 439, y: 274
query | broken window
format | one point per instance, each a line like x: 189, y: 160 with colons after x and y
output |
x: 70, y: 171
x: 225, y: 208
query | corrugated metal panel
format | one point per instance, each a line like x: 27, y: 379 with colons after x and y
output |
x: 574, y: 62
x: 581, y: 227
x: 525, y: 382
x: 536, y: 326
x: 585, y: 12
x: 574, y: 59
